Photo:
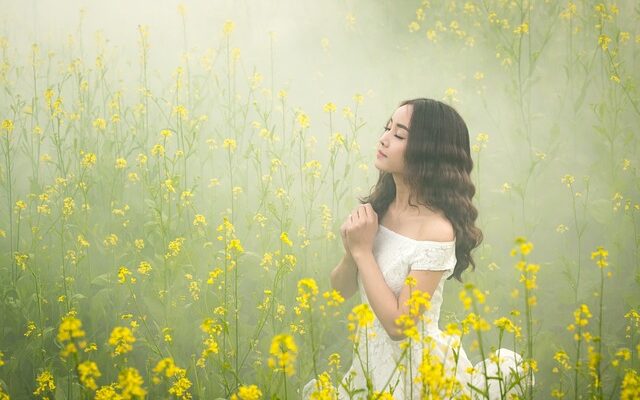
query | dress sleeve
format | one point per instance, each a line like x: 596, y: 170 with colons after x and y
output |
x: 434, y: 257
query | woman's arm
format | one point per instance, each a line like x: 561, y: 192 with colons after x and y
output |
x: 361, y: 229
x: 386, y: 306
x: 344, y: 276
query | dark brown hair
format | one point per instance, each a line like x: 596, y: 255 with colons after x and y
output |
x: 438, y: 165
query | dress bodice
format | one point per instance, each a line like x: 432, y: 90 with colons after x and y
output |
x: 397, y: 255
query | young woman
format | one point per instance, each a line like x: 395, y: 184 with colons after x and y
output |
x: 418, y: 222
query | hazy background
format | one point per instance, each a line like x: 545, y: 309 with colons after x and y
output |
x: 547, y: 98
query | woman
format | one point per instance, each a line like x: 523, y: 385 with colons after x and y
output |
x: 414, y: 231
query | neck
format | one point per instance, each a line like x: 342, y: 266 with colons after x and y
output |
x: 400, y: 205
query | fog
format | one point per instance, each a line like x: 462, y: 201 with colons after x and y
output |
x: 548, y: 92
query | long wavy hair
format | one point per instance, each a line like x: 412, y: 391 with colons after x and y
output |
x: 437, y: 170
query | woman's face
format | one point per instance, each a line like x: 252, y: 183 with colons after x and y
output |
x: 393, y: 141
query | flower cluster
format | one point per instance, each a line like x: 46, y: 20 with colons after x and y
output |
x: 180, y: 383
x: 283, y: 352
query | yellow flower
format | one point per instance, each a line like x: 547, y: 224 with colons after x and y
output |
x: 144, y: 268
x: 522, y: 29
x: 251, y: 392
x: 100, y: 124
x: 476, y: 322
x: 568, y: 180
x: 630, y: 388
x: 465, y: 299
x: 229, y: 144
x: 130, y: 381
x: 307, y: 289
x: 180, y: 382
x: 362, y: 314
x: 45, y: 383
x: 174, y: 247
x: 568, y: 12
x: 87, y: 373
x: 68, y: 205
x: 228, y: 27
x: 329, y: 107
x: 334, y: 298
x: 602, y: 255
x: 7, y: 125
x: 70, y: 328
x: 199, y: 220
x: 410, y: 281
x: 121, y: 163
x: 418, y: 303
x: 107, y: 393
x: 121, y: 339
x: 284, y: 351
x: 157, y: 150
x: 181, y: 111
x: 582, y: 315
x: 123, y: 272
x: 284, y: 237
x: 603, y: 41
x: 506, y: 324
x: 303, y: 120
x: 88, y: 160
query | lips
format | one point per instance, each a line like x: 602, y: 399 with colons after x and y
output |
x: 381, y: 154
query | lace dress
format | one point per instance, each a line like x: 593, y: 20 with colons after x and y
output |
x: 396, y: 255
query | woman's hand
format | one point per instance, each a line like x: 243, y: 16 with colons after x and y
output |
x: 360, y: 230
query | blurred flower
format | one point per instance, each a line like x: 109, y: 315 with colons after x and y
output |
x: 630, y: 388
x: 88, y: 160
x: 157, y: 150
x: 284, y: 237
x: 307, y: 290
x: 601, y: 254
x: 121, y: 163
x: 283, y: 351
x: 329, y: 107
x: 144, y: 268
x: 303, y: 120
x: 174, y: 247
x: 199, y: 220
x: 569, y: 11
x: 521, y: 29
x: 251, y: 392
x: 87, y: 373
x: 130, y: 381
x: 229, y: 144
x: 100, y: 124
x: 228, y: 27
x: 121, y: 339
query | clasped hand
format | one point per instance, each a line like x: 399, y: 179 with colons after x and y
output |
x: 359, y: 230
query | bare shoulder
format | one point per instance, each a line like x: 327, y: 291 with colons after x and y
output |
x: 436, y: 227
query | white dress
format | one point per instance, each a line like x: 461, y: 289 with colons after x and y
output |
x: 396, y: 255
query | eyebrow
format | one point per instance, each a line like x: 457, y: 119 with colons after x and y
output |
x: 400, y: 125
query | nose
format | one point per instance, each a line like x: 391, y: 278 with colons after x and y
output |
x: 383, y: 139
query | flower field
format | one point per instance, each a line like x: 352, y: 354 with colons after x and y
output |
x: 173, y: 179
